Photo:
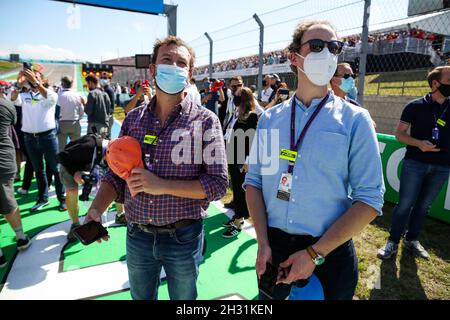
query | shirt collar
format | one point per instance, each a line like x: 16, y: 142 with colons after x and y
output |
x: 181, y: 107
x: 314, y: 103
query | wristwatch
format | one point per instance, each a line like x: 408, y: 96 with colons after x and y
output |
x: 315, y: 257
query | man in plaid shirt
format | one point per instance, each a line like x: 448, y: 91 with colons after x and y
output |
x: 185, y: 169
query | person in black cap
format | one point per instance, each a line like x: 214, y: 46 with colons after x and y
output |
x: 79, y: 158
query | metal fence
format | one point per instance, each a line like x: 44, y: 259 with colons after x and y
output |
x: 402, y: 42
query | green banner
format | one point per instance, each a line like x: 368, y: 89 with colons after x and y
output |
x: 392, y: 153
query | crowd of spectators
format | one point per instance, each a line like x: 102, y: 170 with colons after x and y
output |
x: 280, y: 56
x: 274, y: 57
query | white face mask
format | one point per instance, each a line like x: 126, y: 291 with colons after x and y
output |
x: 319, y: 67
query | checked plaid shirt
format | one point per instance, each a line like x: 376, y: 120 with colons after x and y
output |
x: 190, y: 146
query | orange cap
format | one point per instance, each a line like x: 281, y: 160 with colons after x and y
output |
x: 123, y: 155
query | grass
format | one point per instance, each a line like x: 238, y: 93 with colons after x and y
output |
x: 403, y: 84
x: 405, y: 277
x: 7, y: 66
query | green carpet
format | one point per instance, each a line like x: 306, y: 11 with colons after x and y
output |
x: 33, y: 223
x: 228, y: 266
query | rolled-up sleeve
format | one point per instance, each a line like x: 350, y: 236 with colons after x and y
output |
x: 214, y: 176
x: 117, y: 183
x: 253, y: 176
x: 52, y: 98
x: 365, y: 167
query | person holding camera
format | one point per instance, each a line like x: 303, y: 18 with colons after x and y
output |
x: 282, y: 94
x: 79, y: 162
x: 38, y: 126
x: 142, y: 96
x: 212, y: 95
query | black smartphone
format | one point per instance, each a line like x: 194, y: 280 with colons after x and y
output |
x: 27, y: 65
x: 90, y: 232
x: 268, y: 280
x: 284, y: 93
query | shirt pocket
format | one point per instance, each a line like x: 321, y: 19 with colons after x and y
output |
x: 330, y: 150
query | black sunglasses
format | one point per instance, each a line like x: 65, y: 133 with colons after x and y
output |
x: 317, y: 45
x: 346, y: 76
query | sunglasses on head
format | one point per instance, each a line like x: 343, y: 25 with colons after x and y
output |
x: 317, y: 45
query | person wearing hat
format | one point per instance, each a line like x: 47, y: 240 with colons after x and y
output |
x: 166, y: 200
x: 77, y: 159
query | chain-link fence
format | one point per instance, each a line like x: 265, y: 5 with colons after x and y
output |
x: 406, y: 39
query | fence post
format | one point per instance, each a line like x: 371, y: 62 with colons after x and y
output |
x: 261, y: 57
x: 210, y: 54
x: 363, y: 58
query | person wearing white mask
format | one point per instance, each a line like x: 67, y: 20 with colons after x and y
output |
x: 325, y: 146
x: 172, y: 192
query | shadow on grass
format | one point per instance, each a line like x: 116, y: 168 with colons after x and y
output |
x: 434, y: 234
x: 406, y: 287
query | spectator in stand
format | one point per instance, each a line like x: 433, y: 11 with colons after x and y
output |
x: 71, y: 105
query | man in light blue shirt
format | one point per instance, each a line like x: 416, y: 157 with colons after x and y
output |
x: 329, y: 152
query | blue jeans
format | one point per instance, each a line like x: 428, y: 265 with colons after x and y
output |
x: 420, y: 183
x: 38, y: 148
x: 178, y: 251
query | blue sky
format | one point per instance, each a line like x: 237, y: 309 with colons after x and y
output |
x: 45, y: 29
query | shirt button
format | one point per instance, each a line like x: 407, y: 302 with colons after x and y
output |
x: 157, y: 121
x: 296, y: 177
x: 306, y: 113
x: 293, y: 200
x: 156, y: 160
x: 290, y: 221
x: 151, y: 219
x: 151, y: 201
x: 299, y: 156
x: 160, y: 140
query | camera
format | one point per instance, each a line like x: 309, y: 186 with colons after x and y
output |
x: 27, y: 65
x: 89, y: 181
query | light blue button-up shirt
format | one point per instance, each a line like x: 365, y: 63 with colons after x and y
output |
x: 338, y: 163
